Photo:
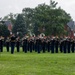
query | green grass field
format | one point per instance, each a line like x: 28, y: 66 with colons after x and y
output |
x: 37, y: 64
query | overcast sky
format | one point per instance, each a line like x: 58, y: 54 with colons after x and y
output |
x: 16, y: 6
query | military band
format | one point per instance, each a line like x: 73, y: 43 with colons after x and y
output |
x: 39, y: 44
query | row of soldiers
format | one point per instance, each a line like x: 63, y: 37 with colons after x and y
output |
x: 38, y: 44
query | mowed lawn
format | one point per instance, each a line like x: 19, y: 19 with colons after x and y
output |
x: 37, y: 64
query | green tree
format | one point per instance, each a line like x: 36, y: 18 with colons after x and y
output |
x: 4, y: 30
x: 28, y: 14
x: 51, y: 18
x: 20, y: 25
x: 11, y: 17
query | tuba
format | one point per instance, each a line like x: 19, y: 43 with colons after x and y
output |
x: 42, y: 35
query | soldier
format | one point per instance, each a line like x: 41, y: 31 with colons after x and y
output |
x: 33, y: 38
x: 22, y: 40
x: 56, y: 44
x: 61, y: 45
x: 13, y: 40
x: 31, y: 45
x: 48, y: 43
x: 52, y: 44
x: 65, y: 45
x: 35, y: 44
x: 25, y: 44
x: 38, y: 43
x: 18, y: 44
x: 7, y: 44
x: 69, y: 44
x: 72, y: 47
x: 1, y: 43
x: 43, y: 45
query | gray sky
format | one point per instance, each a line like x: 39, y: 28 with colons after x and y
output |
x: 16, y: 6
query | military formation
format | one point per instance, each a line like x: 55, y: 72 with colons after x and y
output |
x: 40, y: 43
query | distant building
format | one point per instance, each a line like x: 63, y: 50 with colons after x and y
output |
x: 71, y: 28
x: 9, y: 25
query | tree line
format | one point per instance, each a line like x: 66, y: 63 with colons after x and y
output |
x: 48, y: 19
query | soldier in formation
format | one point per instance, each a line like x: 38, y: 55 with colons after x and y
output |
x: 1, y: 43
x: 13, y: 41
x: 39, y: 44
x: 18, y: 44
x: 7, y: 43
